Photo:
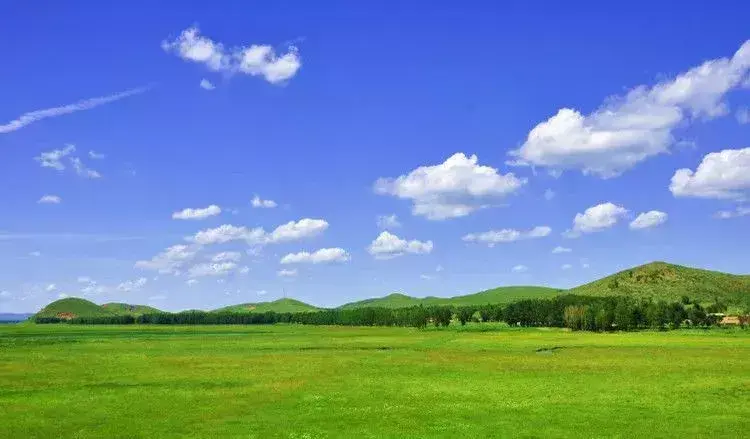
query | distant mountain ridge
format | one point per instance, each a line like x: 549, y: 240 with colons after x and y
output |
x: 14, y: 317
x: 656, y: 281
x: 499, y: 295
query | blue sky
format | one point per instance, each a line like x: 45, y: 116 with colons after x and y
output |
x: 485, y: 136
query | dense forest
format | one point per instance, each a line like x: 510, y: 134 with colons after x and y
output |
x: 574, y: 312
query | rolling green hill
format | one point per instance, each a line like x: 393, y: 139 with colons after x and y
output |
x: 656, y: 281
x: 126, y: 308
x: 281, y: 305
x: 494, y: 296
x: 71, y: 307
x: 669, y: 282
x: 395, y: 300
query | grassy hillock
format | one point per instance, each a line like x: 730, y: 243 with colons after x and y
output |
x: 71, y: 307
x: 494, y: 296
x: 395, y: 300
x: 126, y: 308
x: 669, y: 282
x: 281, y: 305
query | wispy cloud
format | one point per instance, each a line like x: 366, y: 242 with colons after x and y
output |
x: 85, y: 104
x: 82, y: 170
x: 67, y: 236
x: 50, y: 199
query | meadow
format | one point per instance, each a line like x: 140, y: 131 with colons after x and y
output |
x: 292, y: 381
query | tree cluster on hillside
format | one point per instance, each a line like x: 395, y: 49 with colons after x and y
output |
x: 574, y: 312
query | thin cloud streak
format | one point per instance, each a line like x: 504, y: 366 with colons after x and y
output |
x: 84, y: 104
x: 68, y: 236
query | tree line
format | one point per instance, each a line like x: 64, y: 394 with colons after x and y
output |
x: 575, y: 312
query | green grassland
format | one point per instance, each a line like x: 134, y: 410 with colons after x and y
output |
x: 290, y: 381
x: 669, y: 282
x: 281, y: 305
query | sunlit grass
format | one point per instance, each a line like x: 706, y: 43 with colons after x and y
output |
x: 303, y: 381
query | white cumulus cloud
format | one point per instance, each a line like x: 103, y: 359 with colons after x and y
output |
x: 227, y: 233
x: 520, y: 269
x: 388, y: 245
x: 321, y: 256
x: 174, y: 258
x: 254, y: 60
x: 454, y: 188
x: 560, y: 249
x: 493, y: 237
x: 206, y: 84
x: 259, y: 203
x: 628, y: 129
x: 197, y: 214
x: 647, y: 220
x: 170, y: 261
x: 596, y: 218
x: 723, y: 174
x: 292, y: 231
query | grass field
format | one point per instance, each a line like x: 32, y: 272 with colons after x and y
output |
x: 314, y: 382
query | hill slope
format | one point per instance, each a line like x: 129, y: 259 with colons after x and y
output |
x: 126, y: 308
x: 669, y: 282
x: 281, y: 305
x: 494, y: 296
x: 71, y: 307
